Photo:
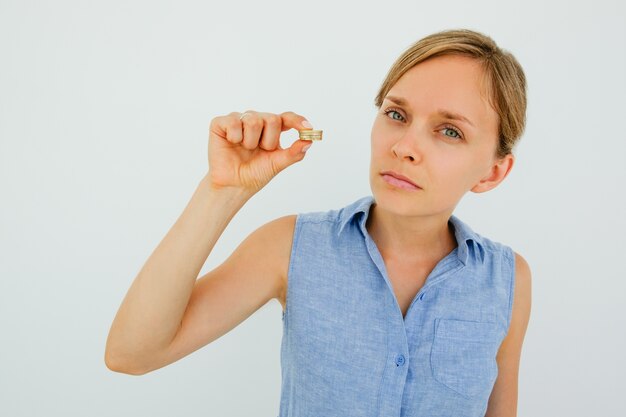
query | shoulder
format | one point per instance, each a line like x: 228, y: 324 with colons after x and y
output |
x: 522, y: 301
x: 278, y: 240
x: 522, y: 270
x: 522, y: 285
x: 281, y: 235
x: 520, y: 295
x: 332, y: 215
x: 278, y: 235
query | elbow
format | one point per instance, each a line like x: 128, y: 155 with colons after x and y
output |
x: 113, y: 362
x: 117, y: 363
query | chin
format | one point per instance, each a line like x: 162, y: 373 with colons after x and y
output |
x: 393, y: 199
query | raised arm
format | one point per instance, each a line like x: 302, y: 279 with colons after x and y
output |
x: 168, y: 312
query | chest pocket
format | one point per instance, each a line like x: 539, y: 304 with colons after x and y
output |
x: 463, y: 355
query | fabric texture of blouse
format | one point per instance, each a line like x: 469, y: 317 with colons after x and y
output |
x: 347, y: 350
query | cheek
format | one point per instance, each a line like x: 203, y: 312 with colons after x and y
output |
x: 376, y: 141
x: 449, y: 172
x: 381, y: 137
x: 375, y: 134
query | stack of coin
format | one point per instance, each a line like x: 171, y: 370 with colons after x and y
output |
x: 310, y: 134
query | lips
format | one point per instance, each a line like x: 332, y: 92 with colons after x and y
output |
x: 399, y: 176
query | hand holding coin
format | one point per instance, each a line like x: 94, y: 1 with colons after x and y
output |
x: 245, y: 152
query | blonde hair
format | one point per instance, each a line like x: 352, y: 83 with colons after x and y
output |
x: 506, y: 82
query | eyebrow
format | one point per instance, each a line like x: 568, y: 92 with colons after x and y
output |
x: 443, y: 112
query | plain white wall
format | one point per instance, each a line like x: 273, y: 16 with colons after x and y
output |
x: 104, y: 113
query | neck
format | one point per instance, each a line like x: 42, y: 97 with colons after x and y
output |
x: 410, y: 239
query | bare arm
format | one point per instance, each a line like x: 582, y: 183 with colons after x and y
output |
x: 152, y: 310
x: 503, y: 399
x: 166, y: 314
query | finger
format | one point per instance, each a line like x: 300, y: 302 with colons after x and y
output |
x: 271, y: 131
x: 252, y: 127
x: 293, y: 120
x: 227, y: 127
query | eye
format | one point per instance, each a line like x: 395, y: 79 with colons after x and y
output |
x: 392, y: 110
x: 458, y: 133
x: 455, y: 130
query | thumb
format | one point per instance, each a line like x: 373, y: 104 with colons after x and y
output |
x: 292, y: 154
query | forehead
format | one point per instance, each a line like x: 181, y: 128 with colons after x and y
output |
x: 451, y: 82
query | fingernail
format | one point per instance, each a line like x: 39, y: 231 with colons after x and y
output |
x: 306, y: 148
x: 306, y: 124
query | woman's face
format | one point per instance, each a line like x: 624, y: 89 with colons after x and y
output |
x: 445, y: 157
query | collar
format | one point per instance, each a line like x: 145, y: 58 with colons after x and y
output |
x: 468, y: 241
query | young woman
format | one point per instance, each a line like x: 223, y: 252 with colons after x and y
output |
x: 392, y: 306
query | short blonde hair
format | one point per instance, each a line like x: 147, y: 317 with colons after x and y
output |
x: 506, y: 82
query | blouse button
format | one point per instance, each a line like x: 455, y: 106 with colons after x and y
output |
x: 399, y: 360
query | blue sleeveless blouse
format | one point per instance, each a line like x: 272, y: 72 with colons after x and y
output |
x: 347, y: 350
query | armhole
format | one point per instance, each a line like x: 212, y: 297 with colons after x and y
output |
x: 510, y: 255
x: 292, y: 257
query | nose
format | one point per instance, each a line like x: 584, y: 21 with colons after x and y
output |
x: 405, y: 148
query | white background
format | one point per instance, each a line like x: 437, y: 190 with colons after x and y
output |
x: 104, y: 113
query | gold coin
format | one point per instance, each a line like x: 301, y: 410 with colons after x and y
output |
x: 310, y: 134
